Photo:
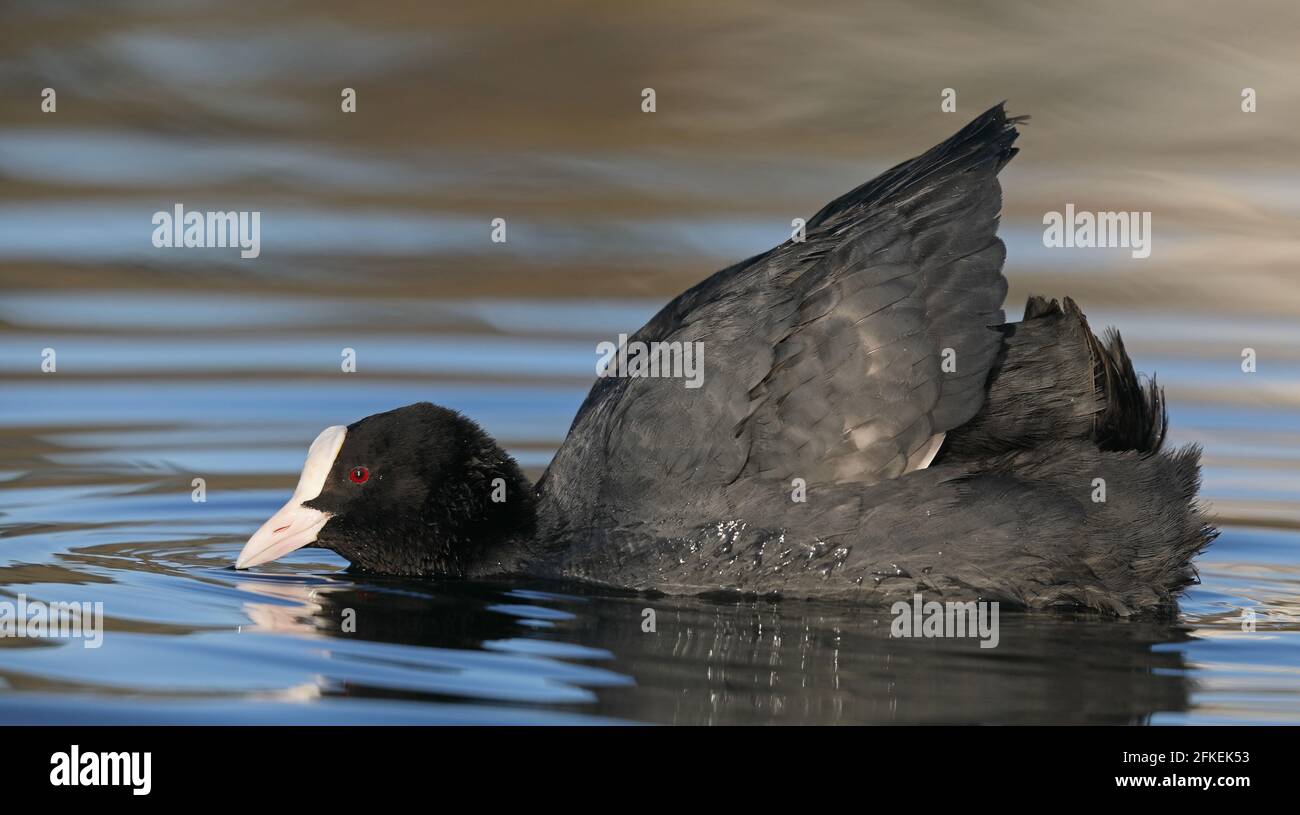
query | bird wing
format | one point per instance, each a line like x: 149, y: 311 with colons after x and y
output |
x: 841, y: 358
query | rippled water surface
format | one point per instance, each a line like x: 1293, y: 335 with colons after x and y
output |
x: 177, y: 365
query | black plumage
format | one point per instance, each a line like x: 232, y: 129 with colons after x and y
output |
x: 835, y: 368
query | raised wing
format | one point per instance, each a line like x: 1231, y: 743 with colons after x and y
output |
x: 839, y: 359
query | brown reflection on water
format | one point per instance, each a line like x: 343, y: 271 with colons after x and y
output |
x: 533, y: 112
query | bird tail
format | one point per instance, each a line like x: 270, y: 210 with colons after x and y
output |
x: 1054, y: 380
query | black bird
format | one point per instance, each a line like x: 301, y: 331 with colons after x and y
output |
x: 867, y: 370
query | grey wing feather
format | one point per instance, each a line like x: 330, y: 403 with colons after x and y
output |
x: 825, y: 359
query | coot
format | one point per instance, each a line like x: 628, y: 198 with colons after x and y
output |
x: 868, y: 427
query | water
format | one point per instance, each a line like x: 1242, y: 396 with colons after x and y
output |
x: 179, y: 365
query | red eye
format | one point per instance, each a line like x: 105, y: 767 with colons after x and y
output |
x: 359, y: 475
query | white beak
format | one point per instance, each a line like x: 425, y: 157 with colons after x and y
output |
x: 294, y: 526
